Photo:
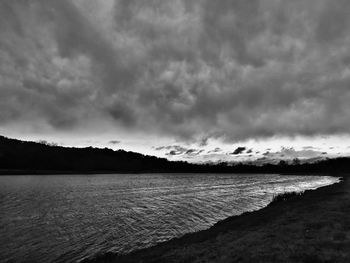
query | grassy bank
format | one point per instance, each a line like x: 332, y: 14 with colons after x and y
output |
x: 312, y: 227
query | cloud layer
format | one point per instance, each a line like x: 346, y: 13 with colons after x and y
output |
x: 188, y: 69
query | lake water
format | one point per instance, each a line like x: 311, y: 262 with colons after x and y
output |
x: 65, y: 218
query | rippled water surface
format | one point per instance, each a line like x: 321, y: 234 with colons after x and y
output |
x: 65, y: 218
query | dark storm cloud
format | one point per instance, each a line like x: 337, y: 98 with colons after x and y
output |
x: 204, y: 141
x: 190, y: 69
x: 174, y: 149
x: 238, y: 150
x: 173, y: 153
x: 291, y: 153
x: 193, y: 152
x: 216, y: 150
x: 179, y: 150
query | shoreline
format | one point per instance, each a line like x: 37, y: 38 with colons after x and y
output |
x: 12, y: 172
x: 282, y: 231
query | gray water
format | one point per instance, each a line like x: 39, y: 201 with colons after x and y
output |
x: 66, y: 218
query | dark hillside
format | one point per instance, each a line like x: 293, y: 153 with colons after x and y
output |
x: 20, y: 157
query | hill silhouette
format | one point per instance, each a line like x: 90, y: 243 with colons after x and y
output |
x: 22, y: 157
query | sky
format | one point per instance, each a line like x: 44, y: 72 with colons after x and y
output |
x: 195, y: 80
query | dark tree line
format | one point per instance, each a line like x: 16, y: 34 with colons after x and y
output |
x: 31, y: 157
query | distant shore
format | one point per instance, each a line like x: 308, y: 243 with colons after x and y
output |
x: 4, y: 172
x: 311, y: 227
x: 23, y: 157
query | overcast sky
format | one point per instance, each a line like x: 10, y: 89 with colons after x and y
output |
x: 157, y: 75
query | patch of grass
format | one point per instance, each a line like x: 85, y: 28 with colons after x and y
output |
x: 316, y: 225
x: 284, y: 196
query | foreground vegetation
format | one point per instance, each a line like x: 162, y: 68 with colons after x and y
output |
x: 284, y: 196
